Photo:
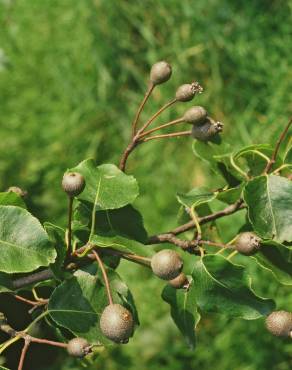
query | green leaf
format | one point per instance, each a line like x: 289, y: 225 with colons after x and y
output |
x: 208, y: 151
x: 183, y: 310
x: 3, y: 368
x: 219, y: 156
x: 24, y: 244
x: 231, y: 195
x: 274, y: 257
x: 122, y: 244
x: 223, y: 287
x: 228, y: 227
x: 195, y: 197
x: 9, y: 198
x: 57, y: 237
x: 125, y: 221
x: 253, y: 158
x: 78, y: 303
x: 269, y: 201
x: 5, y: 283
x: 106, y: 186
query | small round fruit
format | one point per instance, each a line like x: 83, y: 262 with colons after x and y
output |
x: 160, y: 72
x: 186, y: 92
x: 195, y: 115
x: 247, y: 243
x: 116, y: 323
x: 73, y: 183
x: 17, y: 190
x: 166, y: 264
x: 78, y: 347
x: 179, y: 282
x: 207, y: 130
x: 279, y: 323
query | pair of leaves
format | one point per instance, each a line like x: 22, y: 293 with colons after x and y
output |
x: 217, y: 286
x: 77, y: 303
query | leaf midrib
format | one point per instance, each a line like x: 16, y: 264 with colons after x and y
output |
x: 22, y: 248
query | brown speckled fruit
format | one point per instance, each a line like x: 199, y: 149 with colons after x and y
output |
x: 186, y: 92
x: 247, y: 243
x: 179, y: 282
x: 160, y: 72
x: 207, y: 130
x: 73, y: 183
x: 166, y: 264
x: 195, y: 115
x: 279, y: 323
x: 78, y: 347
x: 116, y: 323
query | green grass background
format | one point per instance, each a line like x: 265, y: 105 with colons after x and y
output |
x: 72, y: 73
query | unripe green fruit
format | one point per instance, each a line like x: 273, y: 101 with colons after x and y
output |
x: 247, y: 243
x: 17, y: 190
x: 160, y: 72
x: 166, y: 264
x: 195, y: 115
x: 186, y: 92
x: 73, y: 183
x: 180, y: 281
x: 279, y: 323
x: 78, y: 347
x: 207, y: 130
x: 116, y: 323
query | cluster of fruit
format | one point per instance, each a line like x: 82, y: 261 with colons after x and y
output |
x: 204, y: 127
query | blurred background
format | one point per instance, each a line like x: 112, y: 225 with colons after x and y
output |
x: 72, y: 74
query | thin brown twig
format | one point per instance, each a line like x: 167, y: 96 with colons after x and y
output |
x: 32, y: 303
x: 128, y: 256
x: 23, y: 353
x: 164, y: 136
x: 49, y: 342
x: 168, y: 236
x: 213, y: 244
x: 146, y: 96
x: 155, y: 115
x: 132, y: 145
x: 168, y: 124
x: 135, y: 139
x: 105, y: 277
x: 277, y: 147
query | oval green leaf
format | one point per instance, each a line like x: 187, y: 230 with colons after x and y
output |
x: 223, y: 287
x: 183, y: 310
x: 269, y: 201
x: 24, y: 244
x: 274, y: 257
x: 107, y: 187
